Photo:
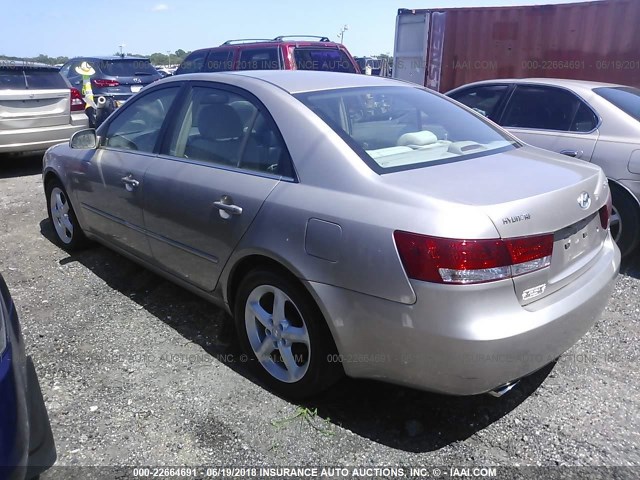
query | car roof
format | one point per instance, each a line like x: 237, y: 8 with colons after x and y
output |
x: 298, y: 81
x: 12, y: 64
x: 559, y: 82
x: 110, y: 57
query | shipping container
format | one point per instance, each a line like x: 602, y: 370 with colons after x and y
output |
x: 445, y: 48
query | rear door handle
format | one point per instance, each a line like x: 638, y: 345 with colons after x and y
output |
x: 572, y: 153
x: 225, y: 204
x: 130, y: 183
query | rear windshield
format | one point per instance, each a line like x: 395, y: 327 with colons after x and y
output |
x: 325, y: 59
x: 127, y: 68
x: 626, y: 99
x: 399, y: 128
x: 19, y: 78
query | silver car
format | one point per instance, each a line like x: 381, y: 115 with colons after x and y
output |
x: 38, y: 107
x: 349, y: 223
x: 595, y: 122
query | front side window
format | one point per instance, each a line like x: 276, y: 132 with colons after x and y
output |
x: 259, y: 59
x: 541, y: 107
x: 227, y: 129
x: 626, y: 99
x: 396, y: 128
x: 137, y: 127
x: 484, y: 99
x: 325, y: 59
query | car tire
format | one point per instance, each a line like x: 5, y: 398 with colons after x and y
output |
x: 625, y: 220
x: 66, y: 228
x: 293, y: 351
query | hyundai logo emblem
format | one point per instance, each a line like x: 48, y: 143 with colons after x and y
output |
x: 584, y: 200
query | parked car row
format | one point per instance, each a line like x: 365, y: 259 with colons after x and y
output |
x: 350, y: 224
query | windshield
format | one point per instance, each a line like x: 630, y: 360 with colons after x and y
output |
x: 626, y: 99
x: 397, y: 128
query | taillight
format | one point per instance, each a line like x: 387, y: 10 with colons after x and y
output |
x: 454, y: 261
x: 605, y: 212
x: 102, y: 83
x: 77, y: 102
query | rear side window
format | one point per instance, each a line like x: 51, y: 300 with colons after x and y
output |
x: 193, y: 63
x: 219, y: 61
x: 626, y: 99
x: 225, y: 128
x: 483, y: 100
x: 541, y: 107
x: 259, y: 59
x: 126, y: 68
x: 15, y: 78
x: 325, y: 59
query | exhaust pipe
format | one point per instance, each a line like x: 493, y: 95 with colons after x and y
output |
x: 501, y: 390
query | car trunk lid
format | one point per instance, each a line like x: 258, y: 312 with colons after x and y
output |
x: 526, y: 192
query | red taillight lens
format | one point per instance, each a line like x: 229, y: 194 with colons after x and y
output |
x: 77, y: 102
x: 101, y: 83
x: 445, y: 260
x: 605, y: 212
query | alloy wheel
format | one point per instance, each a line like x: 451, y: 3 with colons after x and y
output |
x: 277, y: 333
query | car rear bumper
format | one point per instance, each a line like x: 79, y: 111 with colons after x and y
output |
x: 39, y: 139
x: 463, y: 340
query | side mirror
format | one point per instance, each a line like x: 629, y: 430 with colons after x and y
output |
x: 84, y: 139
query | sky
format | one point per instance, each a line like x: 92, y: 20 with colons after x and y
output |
x: 71, y: 28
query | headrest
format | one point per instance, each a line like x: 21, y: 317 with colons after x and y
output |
x: 219, y: 122
x: 425, y: 137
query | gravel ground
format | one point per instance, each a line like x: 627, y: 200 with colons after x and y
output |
x: 136, y: 371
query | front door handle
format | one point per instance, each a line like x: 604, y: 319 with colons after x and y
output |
x: 572, y: 153
x: 130, y: 183
x: 226, y: 207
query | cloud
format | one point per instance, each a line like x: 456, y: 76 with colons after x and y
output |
x: 160, y: 7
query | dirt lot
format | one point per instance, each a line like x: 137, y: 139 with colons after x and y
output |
x: 136, y: 371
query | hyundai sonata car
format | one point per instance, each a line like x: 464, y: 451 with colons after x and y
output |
x: 26, y: 442
x: 350, y: 224
x: 595, y: 122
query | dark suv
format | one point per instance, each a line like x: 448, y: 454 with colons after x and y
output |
x: 115, y: 77
x: 280, y: 53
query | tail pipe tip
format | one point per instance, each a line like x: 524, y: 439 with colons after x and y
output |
x: 503, y: 389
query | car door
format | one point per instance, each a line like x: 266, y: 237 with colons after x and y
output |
x: 552, y: 118
x: 221, y: 161
x: 109, y: 183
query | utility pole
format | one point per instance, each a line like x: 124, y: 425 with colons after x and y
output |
x: 169, y: 55
x: 122, y: 49
x: 343, y: 29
